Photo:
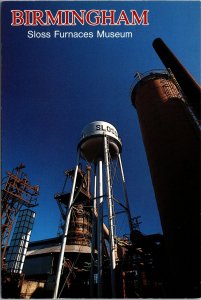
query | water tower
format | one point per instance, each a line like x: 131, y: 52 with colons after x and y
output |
x: 99, y: 145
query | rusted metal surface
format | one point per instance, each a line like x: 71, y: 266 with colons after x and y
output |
x: 80, y: 227
x: 83, y: 180
x: 16, y: 193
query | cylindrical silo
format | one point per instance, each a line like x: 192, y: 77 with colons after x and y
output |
x: 172, y: 146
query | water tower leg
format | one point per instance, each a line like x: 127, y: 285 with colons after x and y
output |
x: 94, y: 227
x: 100, y: 229
x: 111, y: 218
x: 63, y: 244
x: 126, y: 196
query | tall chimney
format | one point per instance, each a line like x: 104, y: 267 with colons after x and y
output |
x: 188, y: 85
x: 172, y: 146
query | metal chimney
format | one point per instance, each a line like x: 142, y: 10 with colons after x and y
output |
x: 188, y: 85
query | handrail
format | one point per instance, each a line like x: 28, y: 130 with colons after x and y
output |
x: 139, y: 76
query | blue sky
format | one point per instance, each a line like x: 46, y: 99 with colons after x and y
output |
x: 52, y: 88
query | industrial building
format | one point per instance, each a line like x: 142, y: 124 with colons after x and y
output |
x: 139, y: 264
x: 89, y: 259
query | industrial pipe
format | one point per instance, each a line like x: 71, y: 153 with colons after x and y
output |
x: 188, y: 85
x: 64, y: 240
x: 100, y: 228
x: 110, y: 217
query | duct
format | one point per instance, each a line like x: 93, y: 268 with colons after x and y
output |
x: 188, y: 85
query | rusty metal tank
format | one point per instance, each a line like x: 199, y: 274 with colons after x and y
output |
x: 171, y: 141
x: 80, y: 227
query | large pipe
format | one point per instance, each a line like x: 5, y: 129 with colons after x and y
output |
x: 111, y: 218
x: 126, y: 197
x: 188, y: 85
x: 100, y: 228
x: 64, y: 240
x: 93, y: 242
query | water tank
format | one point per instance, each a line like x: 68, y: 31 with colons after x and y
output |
x: 91, y: 144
